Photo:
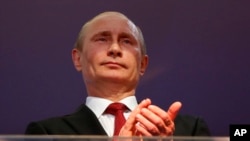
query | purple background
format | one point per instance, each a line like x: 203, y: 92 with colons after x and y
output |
x: 199, y: 54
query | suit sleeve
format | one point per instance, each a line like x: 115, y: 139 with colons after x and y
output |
x: 187, y: 125
x: 201, y: 128
x: 35, y: 128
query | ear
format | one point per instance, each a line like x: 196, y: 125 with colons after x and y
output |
x: 144, y: 64
x: 76, y: 58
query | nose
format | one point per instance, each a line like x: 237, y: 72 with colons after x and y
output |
x: 115, y: 50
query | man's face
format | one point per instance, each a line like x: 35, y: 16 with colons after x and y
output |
x: 111, y: 51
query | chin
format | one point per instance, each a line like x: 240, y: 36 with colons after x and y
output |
x: 115, y: 78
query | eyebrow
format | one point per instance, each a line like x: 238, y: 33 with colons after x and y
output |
x: 101, y: 33
x: 126, y: 35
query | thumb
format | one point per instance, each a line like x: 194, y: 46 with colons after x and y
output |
x: 174, y: 109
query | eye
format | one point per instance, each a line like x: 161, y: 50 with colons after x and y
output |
x: 101, y: 39
x: 127, y: 41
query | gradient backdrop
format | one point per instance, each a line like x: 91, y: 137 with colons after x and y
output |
x: 199, y: 54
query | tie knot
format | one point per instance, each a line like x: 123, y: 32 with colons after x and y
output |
x: 116, y: 107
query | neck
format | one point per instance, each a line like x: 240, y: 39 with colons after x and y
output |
x: 111, y: 91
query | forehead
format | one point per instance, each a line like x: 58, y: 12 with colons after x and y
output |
x: 113, y: 23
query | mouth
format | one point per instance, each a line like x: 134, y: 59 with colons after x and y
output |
x: 113, y: 64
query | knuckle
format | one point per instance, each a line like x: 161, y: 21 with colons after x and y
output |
x: 153, y: 130
x: 158, y: 121
x: 165, y: 116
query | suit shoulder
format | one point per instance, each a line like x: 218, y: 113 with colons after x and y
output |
x: 53, y: 120
x: 46, y: 126
x: 55, y: 125
x: 79, y: 113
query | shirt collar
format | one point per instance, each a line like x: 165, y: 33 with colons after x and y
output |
x: 98, y: 105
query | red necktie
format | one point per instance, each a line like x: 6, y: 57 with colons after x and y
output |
x: 117, y: 110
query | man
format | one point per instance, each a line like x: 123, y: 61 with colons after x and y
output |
x: 111, y: 55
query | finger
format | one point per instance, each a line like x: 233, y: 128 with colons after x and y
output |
x: 165, y: 119
x: 160, y: 119
x: 131, y: 118
x: 169, y: 130
x: 158, y: 111
x: 155, y: 116
x: 129, y: 126
x: 141, y: 129
x: 174, y: 110
x: 145, y: 131
x: 144, y: 103
x: 147, y: 124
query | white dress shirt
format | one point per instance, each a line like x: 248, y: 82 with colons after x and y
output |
x: 99, y: 105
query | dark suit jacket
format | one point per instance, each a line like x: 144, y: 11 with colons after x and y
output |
x: 84, y: 122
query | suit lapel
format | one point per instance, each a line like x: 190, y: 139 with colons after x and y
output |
x: 85, y: 122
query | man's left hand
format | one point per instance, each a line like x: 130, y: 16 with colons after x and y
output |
x: 154, y: 121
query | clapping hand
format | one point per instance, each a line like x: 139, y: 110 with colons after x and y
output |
x: 151, y: 120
